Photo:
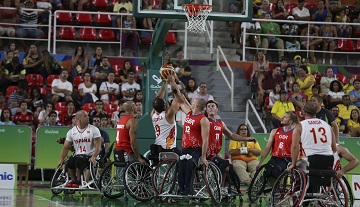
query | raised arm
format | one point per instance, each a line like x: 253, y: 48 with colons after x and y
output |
x: 295, y: 145
x: 205, y: 129
x: 234, y: 136
x: 346, y: 154
x: 267, y: 147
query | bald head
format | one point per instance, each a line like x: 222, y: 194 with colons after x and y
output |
x: 80, y: 113
x: 128, y: 106
x: 82, y: 118
x: 310, y: 108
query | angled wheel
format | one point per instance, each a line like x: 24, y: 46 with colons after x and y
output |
x: 137, y: 181
x: 59, y: 179
x: 257, y: 184
x: 289, y: 189
x: 111, y: 180
x: 348, y: 191
x: 95, y: 171
x: 210, y: 175
x: 161, y: 171
x: 339, y: 192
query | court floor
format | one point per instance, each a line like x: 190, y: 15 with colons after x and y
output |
x: 41, y: 196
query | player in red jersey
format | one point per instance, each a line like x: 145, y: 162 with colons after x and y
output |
x: 194, y: 143
x: 279, y: 143
x: 217, y: 129
x: 126, y: 134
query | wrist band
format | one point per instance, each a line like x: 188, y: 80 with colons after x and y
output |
x: 174, y: 91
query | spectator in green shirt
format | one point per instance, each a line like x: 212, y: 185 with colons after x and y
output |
x: 270, y: 30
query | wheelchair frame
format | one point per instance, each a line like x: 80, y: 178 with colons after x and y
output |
x: 292, y: 187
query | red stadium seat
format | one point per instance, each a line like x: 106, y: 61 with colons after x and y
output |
x: 77, y: 81
x: 266, y: 104
x: 103, y: 19
x: 88, y: 107
x: 300, y: 114
x: 43, y: 91
x: 311, y: 7
x: 356, y: 76
x: 60, y: 107
x: 106, y: 34
x: 67, y: 33
x: 342, y: 78
x: 88, y: 33
x: 358, y: 45
x: 10, y: 90
x: 289, y: 7
x: 348, y: 46
x: 111, y: 108
x: 170, y: 38
x: 272, y: 7
x: 49, y: 81
x: 340, y: 44
x: 317, y: 77
x: 84, y: 19
x: 63, y: 17
x: 35, y: 80
x: 100, y: 3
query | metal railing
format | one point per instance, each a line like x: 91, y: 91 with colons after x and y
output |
x: 249, y: 105
x: 218, y: 68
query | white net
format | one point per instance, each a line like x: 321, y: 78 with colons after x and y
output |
x: 196, y: 15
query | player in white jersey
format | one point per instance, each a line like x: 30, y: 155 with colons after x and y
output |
x: 343, y: 152
x: 317, y: 140
x: 87, y: 144
x: 163, y: 119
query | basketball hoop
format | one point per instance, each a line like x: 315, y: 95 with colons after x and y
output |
x: 196, y: 15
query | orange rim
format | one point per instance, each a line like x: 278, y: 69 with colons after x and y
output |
x: 197, y: 7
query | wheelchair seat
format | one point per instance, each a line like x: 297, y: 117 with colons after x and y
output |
x: 320, y: 174
x: 119, y: 158
x: 168, y: 155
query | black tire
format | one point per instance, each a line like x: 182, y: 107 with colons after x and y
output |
x: 289, y: 187
x: 210, y: 175
x: 59, y: 179
x: 340, y: 191
x: 111, y: 179
x: 159, y: 174
x: 95, y: 172
x: 348, y: 191
x: 137, y: 181
x: 257, y: 184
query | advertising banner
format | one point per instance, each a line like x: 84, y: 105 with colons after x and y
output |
x: 8, y: 176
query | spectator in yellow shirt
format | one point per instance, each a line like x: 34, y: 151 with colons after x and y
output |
x: 280, y: 108
x: 244, y: 155
x: 345, y: 108
x: 354, y: 121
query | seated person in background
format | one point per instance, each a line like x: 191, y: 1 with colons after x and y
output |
x: 128, y: 23
x: 78, y: 62
x: 14, y: 72
x: 126, y: 69
x: 328, y: 30
x: 264, y: 9
x: 202, y: 94
x: 244, y: 155
x: 105, y: 140
x: 23, y: 117
x: 99, y: 109
x: 297, y: 97
x: 279, y: 143
x: 274, y: 96
x: 343, y: 30
x: 102, y: 72
x: 291, y: 29
x: 186, y: 76
x: 18, y: 96
x: 180, y: 63
x: 301, y: 13
x: 109, y: 90
x: 138, y: 112
x: 354, y: 122
x: 280, y: 108
x: 5, y: 118
x: 355, y: 94
x: 94, y: 61
x: 333, y: 6
x: 80, y: 4
x: 43, y: 4
x: 87, y: 90
x: 320, y: 13
x: 339, y: 121
x: 326, y: 80
x: 311, y: 43
x: 280, y: 11
x: 66, y: 116
x: 345, y: 108
x: 10, y: 17
x: 61, y: 88
x: 349, y: 86
x: 305, y: 80
x: 129, y: 89
x: 336, y: 93
x: 52, y: 119
x: 271, y: 29
x: 250, y: 27
x: 105, y: 121
x: 33, y: 62
x: 43, y: 117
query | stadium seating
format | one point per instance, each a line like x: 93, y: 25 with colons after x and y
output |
x: 103, y: 19
x: 9, y: 91
x: 342, y: 78
x: 111, y: 108
x: 35, y: 80
x: 289, y: 7
x: 67, y: 33
x: 358, y: 45
x: 60, y: 107
x: 88, y: 33
x: 317, y: 77
x: 49, y: 81
x: 100, y: 4
x: 64, y: 18
x: 170, y: 38
x: 88, y: 107
x: 84, y: 19
x: 77, y: 81
x: 348, y: 46
x: 107, y: 35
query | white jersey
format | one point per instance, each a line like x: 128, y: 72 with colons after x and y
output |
x: 82, y: 139
x: 337, y: 158
x: 316, y: 137
x: 165, y: 133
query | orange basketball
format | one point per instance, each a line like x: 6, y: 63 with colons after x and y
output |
x: 166, y: 70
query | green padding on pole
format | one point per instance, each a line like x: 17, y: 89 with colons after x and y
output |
x: 15, y: 144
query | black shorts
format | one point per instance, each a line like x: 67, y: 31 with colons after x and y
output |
x: 219, y: 162
x: 79, y: 162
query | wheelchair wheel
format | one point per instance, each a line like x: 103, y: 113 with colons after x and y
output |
x: 348, y: 191
x: 257, y: 184
x: 137, y: 181
x: 111, y: 180
x: 210, y: 175
x: 339, y: 192
x: 162, y: 176
x: 59, y: 179
x: 95, y: 171
x: 289, y: 189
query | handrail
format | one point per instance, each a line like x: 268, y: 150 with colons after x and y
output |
x: 247, y: 120
x: 218, y: 68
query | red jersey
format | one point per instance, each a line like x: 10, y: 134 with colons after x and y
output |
x: 21, y: 119
x: 191, y: 137
x: 215, y: 136
x: 122, y: 135
x: 65, y: 118
x: 282, y: 143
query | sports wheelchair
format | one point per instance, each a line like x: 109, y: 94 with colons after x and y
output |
x: 205, y: 180
x: 122, y: 176
x: 263, y: 180
x: 314, y: 186
x: 61, y: 178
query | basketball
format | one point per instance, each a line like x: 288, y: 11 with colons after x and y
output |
x: 166, y: 70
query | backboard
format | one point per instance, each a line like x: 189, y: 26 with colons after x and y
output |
x: 223, y: 10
